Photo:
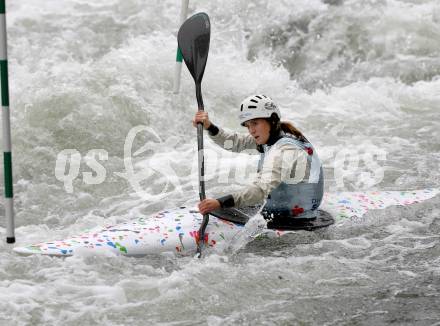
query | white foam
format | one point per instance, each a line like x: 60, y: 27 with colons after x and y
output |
x: 356, y: 76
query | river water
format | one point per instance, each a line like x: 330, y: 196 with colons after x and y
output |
x: 99, y: 137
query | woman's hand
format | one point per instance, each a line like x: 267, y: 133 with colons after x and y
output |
x: 208, y: 205
x: 202, y: 116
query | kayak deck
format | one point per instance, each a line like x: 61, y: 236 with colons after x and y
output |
x: 177, y: 229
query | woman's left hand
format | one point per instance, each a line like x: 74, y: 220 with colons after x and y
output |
x: 208, y: 205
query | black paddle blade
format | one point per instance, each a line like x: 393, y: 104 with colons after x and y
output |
x: 193, y: 39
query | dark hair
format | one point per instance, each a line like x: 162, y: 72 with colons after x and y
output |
x: 277, y: 126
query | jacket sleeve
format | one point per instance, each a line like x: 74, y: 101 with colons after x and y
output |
x: 279, y: 166
x: 231, y: 141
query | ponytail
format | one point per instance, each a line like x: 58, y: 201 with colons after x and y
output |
x: 289, y: 128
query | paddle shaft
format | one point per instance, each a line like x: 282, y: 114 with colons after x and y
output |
x: 201, y: 168
x: 193, y: 40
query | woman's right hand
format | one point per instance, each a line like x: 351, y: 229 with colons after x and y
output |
x: 202, y: 116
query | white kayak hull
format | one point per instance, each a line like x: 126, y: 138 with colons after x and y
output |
x: 177, y: 229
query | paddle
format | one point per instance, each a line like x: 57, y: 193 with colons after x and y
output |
x: 193, y: 39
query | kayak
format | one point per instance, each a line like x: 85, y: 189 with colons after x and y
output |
x: 177, y: 229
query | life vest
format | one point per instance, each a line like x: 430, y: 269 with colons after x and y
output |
x: 299, y: 200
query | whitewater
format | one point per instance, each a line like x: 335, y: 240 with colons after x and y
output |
x: 98, y: 137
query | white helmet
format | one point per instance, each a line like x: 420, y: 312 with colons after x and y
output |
x: 257, y: 106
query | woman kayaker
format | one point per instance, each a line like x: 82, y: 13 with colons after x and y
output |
x: 290, y: 175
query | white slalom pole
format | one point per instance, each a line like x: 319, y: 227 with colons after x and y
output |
x: 178, y: 68
x: 7, y: 158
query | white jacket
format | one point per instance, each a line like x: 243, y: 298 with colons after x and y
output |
x: 281, y: 162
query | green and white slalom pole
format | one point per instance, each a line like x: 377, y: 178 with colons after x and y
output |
x: 178, y: 68
x: 7, y: 158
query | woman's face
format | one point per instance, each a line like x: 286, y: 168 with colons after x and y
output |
x: 259, y: 129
